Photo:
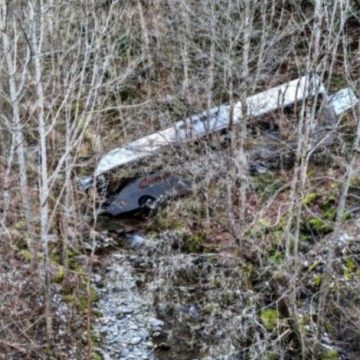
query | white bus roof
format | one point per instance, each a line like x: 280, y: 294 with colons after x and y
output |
x: 216, y: 119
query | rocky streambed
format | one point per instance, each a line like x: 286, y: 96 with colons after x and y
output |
x: 127, y: 322
x: 154, y: 299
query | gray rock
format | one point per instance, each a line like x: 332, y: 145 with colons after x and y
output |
x: 156, y: 323
x: 127, y: 311
x: 126, y: 316
x: 136, y: 240
x: 135, y: 340
x: 163, y: 346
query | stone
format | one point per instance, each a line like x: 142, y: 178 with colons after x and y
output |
x: 127, y: 311
x: 97, y: 278
x: 136, y: 240
x: 106, y: 356
x: 135, y: 340
x: 163, y: 346
x: 156, y: 323
x: 126, y: 314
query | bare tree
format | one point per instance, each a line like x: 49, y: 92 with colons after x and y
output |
x: 12, y: 42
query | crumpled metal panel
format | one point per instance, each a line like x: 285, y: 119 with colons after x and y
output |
x: 343, y: 100
x: 212, y: 120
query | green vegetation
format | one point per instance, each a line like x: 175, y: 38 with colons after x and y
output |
x: 276, y: 256
x: 267, y: 184
x: 193, y: 242
x: 317, y: 280
x: 310, y: 198
x: 330, y: 355
x: 59, y: 276
x: 270, y: 318
x: 319, y: 226
x: 350, y: 268
x: 25, y: 255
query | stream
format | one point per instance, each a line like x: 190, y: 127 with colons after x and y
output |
x: 127, y: 321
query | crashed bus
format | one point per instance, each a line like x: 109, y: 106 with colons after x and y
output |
x: 212, y: 121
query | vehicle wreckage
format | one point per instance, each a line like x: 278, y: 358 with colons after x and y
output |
x: 144, y: 193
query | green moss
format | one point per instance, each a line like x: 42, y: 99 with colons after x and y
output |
x: 319, y: 226
x: 211, y: 308
x: 330, y: 355
x: 305, y: 320
x: 355, y: 181
x: 317, y: 280
x: 311, y: 172
x: 272, y: 356
x: 306, y: 237
x: 56, y: 258
x: 313, y: 266
x: 269, y: 318
x: 329, y: 208
x: 95, y: 341
x: 59, y: 276
x: 338, y: 81
x: 277, y: 256
x: 265, y: 226
x: 69, y: 298
x: 193, y: 243
x: 96, y: 356
x: 350, y: 264
x: 279, y: 276
x: 347, y: 215
x: 72, y: 253
x: 310, y: 198
x: 265, y: 223
x: 276, y: 237
x: 228, y: 297
x: 25, y: 254
x: 82, y: 303
x: 249, y: 273
x: 253, y: 233
x: 21, y: 225
x: 329, y: 327
x: 75, y: 266
x: 316, y: 223
x: 282, y: 224
x: 350, y: 268
x: 164, y: 221
x: 73, y: 262
x: 97, y: 313
x: 330, y: 213
x: 94, y: 295
x: 216, y: 283
x: 267, y: 184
